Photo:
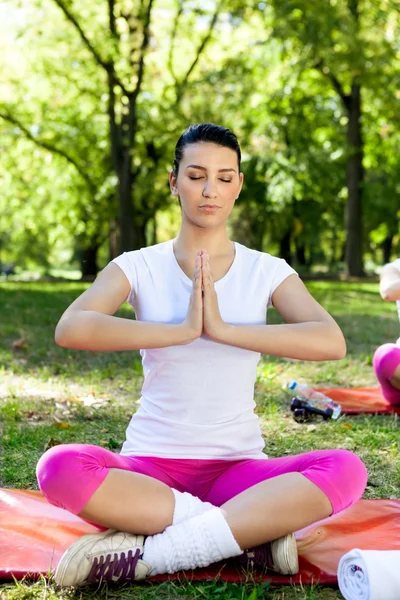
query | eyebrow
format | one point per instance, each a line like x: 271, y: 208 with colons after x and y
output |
x: 204, y: 169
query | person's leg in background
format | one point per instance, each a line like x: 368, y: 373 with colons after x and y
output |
x: 386, y: 363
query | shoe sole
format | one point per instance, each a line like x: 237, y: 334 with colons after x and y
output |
x: 284, y: 554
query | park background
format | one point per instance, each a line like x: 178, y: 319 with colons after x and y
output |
x: 93, y: 96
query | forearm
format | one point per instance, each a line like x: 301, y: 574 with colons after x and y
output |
x: 90, y: 330
x: 312, y: 340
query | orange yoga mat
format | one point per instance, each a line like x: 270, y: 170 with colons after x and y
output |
x: 360, y: 400
x: 34, y: 535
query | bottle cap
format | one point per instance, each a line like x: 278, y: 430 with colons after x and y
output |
x: 292, y: 385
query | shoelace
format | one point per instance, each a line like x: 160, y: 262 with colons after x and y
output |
x: 112, y: 569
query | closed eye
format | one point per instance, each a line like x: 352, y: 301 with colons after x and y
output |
x: 197, y: 178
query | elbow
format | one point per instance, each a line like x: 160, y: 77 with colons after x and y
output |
x: 334, y: 344
x: 60, y: 336
x: 386, y: 295
x: 340, y: 351
x: 67, y: 332
x: 339, y: 347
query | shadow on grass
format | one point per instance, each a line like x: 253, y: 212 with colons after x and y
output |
x: 30, y: 312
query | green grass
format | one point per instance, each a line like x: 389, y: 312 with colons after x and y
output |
x: 42, y: 387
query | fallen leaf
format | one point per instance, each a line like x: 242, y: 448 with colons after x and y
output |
x: 62, y: 425
x: 19, y: 344
x: 50, y: 443
x: 88, y: 400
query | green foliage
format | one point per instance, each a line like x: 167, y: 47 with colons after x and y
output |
x: 278, y: 73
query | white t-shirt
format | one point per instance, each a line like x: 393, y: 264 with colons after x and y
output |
x: 198, y: 399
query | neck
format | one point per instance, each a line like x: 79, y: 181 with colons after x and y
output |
x: 190, y: 239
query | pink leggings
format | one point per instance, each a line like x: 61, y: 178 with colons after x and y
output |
x: 69, y: 474
x: 386, y: 360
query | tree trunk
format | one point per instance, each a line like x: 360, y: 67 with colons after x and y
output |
x: 301, y: 254
x: 387, y: 248
x: 139, y: 232
x: 89, y: 266
x: 113, y: 240
x: 355, y: 175
x: 126, y: 209
x: 284, y: 247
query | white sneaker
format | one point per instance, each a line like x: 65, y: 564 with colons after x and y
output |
x: 279, y: 556
x: 107, y: 556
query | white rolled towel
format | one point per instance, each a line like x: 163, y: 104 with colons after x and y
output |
x: 370, y: 575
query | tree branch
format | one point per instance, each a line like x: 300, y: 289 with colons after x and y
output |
x: 131, y: 117
x: 200, y: 50
x: 50, y: 148
x: 173, y: 38
x: 143, y: 48
x: 345, y: 98
x: 107, y: 65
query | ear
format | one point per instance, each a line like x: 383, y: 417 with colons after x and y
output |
x: 172, y: 183
x: 241, y: 179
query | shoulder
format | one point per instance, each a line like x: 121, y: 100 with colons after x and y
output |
x: 391, y: 269
x: 141, y: 256
x: 266, y: 261
x: 158, y: 250
x: 395, y: 264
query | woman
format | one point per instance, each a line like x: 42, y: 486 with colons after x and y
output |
x: 387, y: 357
x: 192, y: 485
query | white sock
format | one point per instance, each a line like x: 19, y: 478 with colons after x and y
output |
x: 197, y: 542
x: 187, y: 506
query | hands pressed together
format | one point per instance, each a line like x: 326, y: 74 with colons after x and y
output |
x: 203, y: 313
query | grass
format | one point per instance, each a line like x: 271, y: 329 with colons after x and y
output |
x: 42, y: 401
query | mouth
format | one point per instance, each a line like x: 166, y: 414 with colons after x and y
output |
x: 209, y: 207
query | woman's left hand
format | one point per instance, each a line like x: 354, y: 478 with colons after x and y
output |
x: 212, y: 320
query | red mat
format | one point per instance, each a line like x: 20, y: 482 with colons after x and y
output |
x: 35, y: 534
x: 360, y: 400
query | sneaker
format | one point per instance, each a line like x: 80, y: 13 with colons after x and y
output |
x: 106, y: 556
x: 279, y: 556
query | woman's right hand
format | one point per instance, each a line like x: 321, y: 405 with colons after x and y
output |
x: 194, y: 318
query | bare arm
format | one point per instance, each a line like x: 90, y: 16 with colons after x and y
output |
x: 88, y: 323
x: 390, y: 283
x: 310, y: 333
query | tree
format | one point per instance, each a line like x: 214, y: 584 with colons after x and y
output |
x: 347, y: 44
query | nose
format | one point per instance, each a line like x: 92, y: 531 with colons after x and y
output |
x: 209, y: 190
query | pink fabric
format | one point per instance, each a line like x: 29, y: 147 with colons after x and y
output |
x: 386, y: 360
x: 69, y: 474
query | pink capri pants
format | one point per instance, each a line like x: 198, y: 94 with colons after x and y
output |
x: 386, y: 360
x: 69, y: 474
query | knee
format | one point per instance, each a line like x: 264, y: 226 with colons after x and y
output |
x: 55, y: 471
x: 384, y: 357
x: 353, y: 474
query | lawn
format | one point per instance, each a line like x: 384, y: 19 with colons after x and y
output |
x: 50, y: 395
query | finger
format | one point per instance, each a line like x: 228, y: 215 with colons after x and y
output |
x: 206, y: 272
x: 197, y: 279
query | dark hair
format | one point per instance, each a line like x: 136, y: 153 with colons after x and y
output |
x: 206, y: 132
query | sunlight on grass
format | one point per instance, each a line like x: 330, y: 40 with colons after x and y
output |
x: 49, y: 394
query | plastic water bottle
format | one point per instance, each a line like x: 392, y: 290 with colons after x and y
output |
x: 316, y: 399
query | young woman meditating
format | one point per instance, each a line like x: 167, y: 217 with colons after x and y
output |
x: 192, y: 484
